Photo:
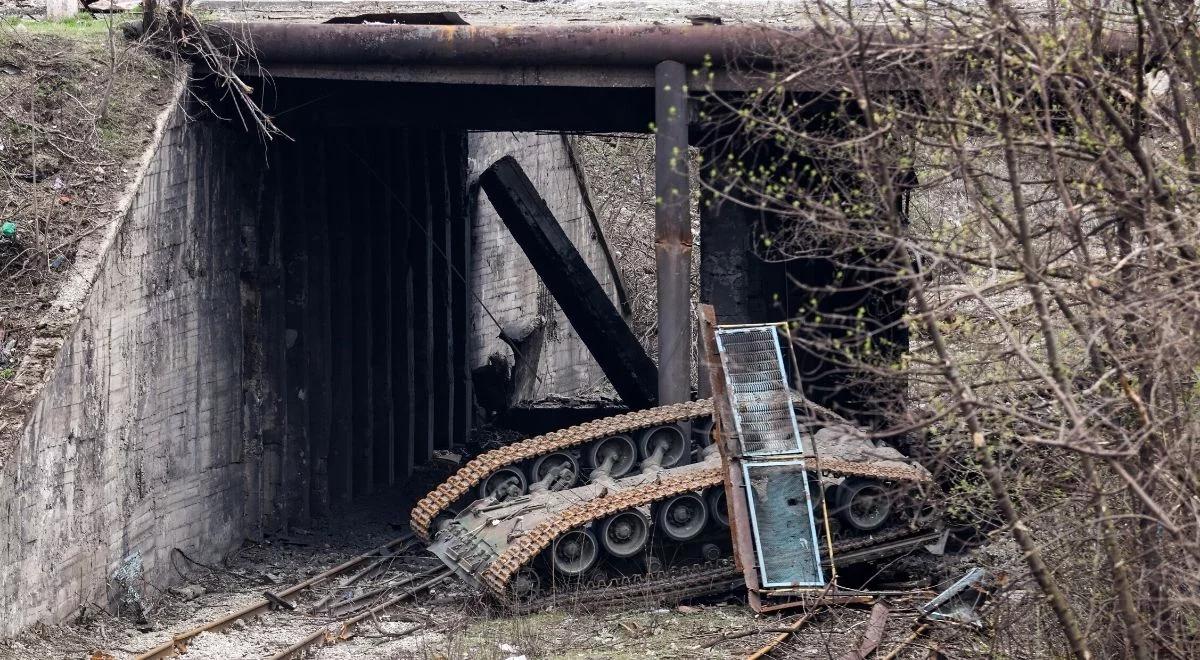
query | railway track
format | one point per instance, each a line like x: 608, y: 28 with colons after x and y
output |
x: 333, y: 633
x: 360, y: 588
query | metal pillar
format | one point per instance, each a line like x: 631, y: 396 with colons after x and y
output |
x: 673, y: 232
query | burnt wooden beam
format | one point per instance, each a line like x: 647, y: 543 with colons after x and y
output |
x: 460, y: 259
x: 526, y: 340
x: 402, y: 347
x: 317, y: 337
x: 381, y: 341
x: 440, y: 303
x: 421, y: 256
x: 361, y: 209
x: 341, y: 283
x: 567, y: 276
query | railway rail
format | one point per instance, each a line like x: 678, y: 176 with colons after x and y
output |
x: 342, y: 630
x: 367, y: 562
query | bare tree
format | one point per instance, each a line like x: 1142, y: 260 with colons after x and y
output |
x: 1027, y: 176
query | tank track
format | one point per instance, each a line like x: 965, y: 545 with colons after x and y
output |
x: 525, y: 549
x: 673, y: 585
x: 479, y: 468
x: 670, y: 586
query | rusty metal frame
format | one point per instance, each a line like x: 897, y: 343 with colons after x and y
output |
x: 739, y: 515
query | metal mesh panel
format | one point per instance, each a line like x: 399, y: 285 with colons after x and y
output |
x: 758, y: 392
x: 785, y: 535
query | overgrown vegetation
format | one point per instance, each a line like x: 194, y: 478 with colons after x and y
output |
x: 77, y: 106
x: 620, y: 174
x: 1029, y: 183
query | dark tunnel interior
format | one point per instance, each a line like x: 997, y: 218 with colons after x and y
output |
x: 356, y: 279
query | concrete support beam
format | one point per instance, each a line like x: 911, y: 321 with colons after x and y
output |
x: 56, y: 10
x: 673, y: 233
x: 572, y: 283
x: 273, y: 338
x: 253, y: 374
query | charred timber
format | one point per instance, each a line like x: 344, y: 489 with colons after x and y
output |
x: 564, y: 272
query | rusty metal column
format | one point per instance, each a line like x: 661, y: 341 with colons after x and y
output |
x: 673, y: 232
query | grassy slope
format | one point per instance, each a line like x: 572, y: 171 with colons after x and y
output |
x: 63, y: 167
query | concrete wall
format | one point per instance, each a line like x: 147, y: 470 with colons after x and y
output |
x: 195, y: 400
x: 134, y: 446
x: 505, y: 281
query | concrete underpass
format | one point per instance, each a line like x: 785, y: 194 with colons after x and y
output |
x: 278, y: 328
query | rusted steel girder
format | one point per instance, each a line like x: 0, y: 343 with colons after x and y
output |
x: 592, y: 45
x: 597, y: 45
x: 673, y: 232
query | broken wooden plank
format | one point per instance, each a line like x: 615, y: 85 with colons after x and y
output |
x: 573, y: 285
x: 785, y: 633
x: 873, y: 634
x: 917, y: 632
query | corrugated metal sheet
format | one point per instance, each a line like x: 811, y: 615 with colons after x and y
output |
x: 776, y: 485
x: 762, y: 406
x: 785, y: 532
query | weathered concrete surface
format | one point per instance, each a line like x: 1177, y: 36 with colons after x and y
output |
x: 509, y: 290
x: 490, y: 12
x: 133, y: 447
x: 570, y: 279
x: 162, y: 422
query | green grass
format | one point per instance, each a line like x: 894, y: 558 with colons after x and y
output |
x: 81, y: 24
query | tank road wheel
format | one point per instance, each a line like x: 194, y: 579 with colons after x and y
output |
x: 575, y: 553
x: 556, y: 463
x: 619, y: 449
x: 863, y: 504
x: 667, y: 439
x: 503, y: 484
x: 525, y: 585
x: 625, y: 534
x: 718, y: 506
x: 683, y: 517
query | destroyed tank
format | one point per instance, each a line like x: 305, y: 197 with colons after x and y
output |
x: 645, y: 493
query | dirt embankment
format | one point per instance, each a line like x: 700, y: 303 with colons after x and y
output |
x: 77, y: 108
